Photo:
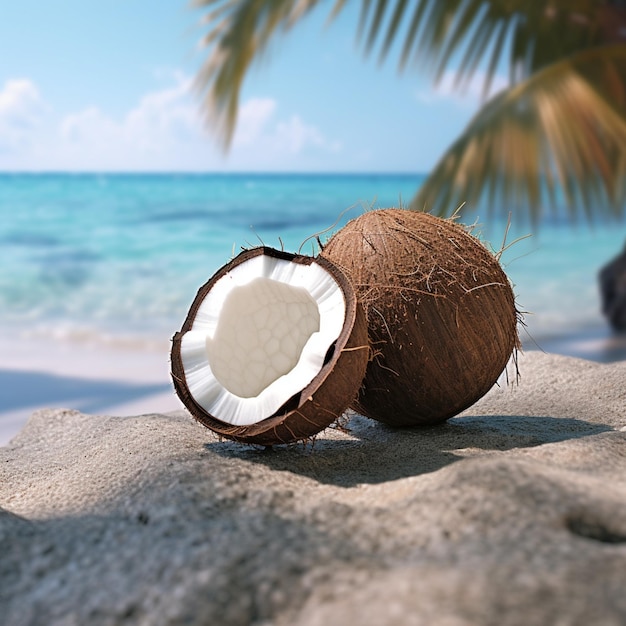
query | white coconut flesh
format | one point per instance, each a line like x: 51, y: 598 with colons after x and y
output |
x: 260, y: 336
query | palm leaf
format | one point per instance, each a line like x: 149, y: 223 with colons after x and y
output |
x: 437, y: 33
x: 562, y: 130
x: 238, y: 33
x: 432, y: 33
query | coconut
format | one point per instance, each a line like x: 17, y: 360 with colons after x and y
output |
x: 441, y: 314
x: 273, y: 349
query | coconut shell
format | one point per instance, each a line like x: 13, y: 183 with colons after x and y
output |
x: 326, y: 397
x: 442, y: 321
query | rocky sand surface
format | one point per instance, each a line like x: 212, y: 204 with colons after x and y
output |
x: 512, y: 513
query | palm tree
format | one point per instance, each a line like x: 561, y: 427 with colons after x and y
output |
x: 560, y: 127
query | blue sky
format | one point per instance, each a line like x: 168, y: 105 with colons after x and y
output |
x: 105, y: 86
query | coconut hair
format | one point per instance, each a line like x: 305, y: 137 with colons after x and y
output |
x: 440, y: 310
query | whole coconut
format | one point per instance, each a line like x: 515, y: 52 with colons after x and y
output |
x: 442, y: 321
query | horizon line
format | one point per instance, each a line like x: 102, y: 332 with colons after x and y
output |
x: 210, y: 172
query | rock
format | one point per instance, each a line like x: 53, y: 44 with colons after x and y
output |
x: 612, y: 279
x: 513, y: 513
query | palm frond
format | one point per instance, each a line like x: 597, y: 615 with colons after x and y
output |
x: 435, y: 34
x: 238, y: 33
x: 432, y: 33
x: 561, y: 131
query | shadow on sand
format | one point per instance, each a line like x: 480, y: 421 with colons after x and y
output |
x: 21, y: 390
x: 378, y: 454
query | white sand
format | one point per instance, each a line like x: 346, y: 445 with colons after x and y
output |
x: 131, y: 377
x: 95, y: 378
x: 512, y: 514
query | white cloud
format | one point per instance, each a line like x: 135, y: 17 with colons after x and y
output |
x: 160, y: 120
x: 89, y: 125
x: 163, y: 131
x: 167, y: 122
x: 168, y: 113
x: 21, y: 109
x: 295, y: 135
x: 259, y: 131
x: 254, y: 115
x: 468, y: 95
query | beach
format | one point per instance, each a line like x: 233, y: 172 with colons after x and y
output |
x: 512, y: 513
x: 38, y: 374
x: 128, y: 379
x: 336, y: 338
x: 101, y: 270
x: 116, y: 506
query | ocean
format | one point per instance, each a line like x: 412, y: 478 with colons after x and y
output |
x: 110, y: 258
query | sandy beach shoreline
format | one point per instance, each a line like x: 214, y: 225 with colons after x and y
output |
x: 599, y: 344
x: 512, y: 513
x: 127, y: 376
x: 93, y: 378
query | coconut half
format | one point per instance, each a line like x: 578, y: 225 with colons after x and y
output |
x: 273, y: 350
x: 441, y: 314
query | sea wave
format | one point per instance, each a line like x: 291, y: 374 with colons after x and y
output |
x: 123, y: 256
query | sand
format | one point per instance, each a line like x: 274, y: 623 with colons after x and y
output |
x: 91, y: 377
x: 130, y: 376
x: 513, y: 513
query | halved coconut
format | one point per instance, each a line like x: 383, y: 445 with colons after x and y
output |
x: 441, y: 314
x: 273, y: 350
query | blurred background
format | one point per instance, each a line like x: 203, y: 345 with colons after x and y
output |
x: 143, y: 144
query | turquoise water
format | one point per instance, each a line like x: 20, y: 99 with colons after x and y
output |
x: 123, y: 255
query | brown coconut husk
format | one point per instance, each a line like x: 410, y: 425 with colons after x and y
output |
x: 441, y: 314
x: 326, y: 397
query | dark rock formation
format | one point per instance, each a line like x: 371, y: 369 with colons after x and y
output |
x: 613, y: 291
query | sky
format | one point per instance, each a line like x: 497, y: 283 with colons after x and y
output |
x: 107, y: 86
